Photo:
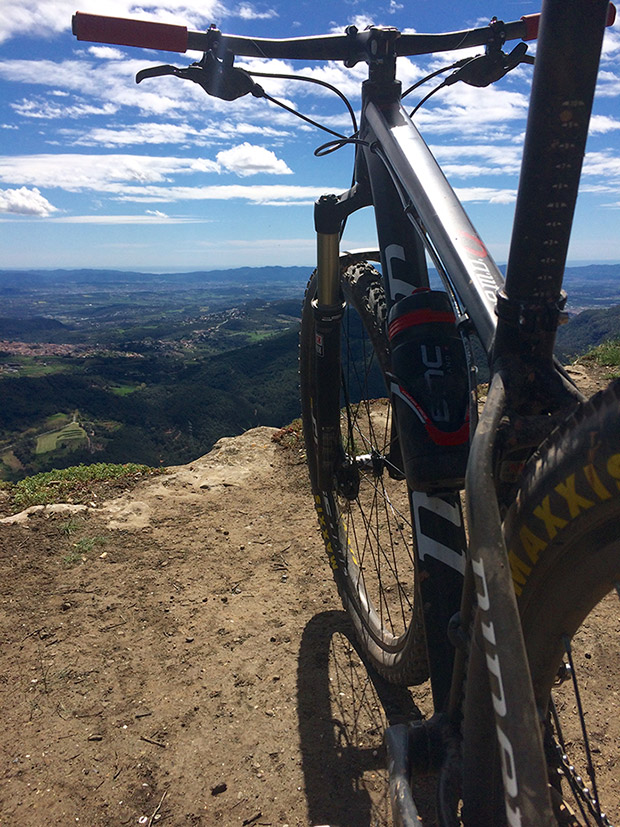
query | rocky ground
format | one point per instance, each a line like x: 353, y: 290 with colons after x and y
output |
x: 176, y: 653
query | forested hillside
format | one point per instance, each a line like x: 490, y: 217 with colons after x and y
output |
x: 103, y: 365
x: 172, y: 412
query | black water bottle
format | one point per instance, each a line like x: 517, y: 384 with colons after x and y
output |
x: 430, y: 390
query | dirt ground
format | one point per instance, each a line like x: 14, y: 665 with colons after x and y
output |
x: 176, y: 653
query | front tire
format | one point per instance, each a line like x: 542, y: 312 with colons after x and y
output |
x: 367, y: 532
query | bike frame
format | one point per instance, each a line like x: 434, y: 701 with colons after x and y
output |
x: 515, y: 320
x: 463, y: 585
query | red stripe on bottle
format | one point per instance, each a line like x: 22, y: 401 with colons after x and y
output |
x: 416, y: 317
x: 458, y: 437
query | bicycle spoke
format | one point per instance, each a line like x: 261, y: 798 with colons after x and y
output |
x: 586, y: 741
x: 379, y: 544
x: 565, y: 763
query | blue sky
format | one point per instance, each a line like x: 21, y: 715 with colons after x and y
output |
x: 96, y: 171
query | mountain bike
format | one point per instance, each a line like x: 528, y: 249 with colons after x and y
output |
x: 491, y: 611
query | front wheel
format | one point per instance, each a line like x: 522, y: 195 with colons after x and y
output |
x: 363, y: 509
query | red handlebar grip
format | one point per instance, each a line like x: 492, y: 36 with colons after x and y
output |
x: 532, y: 22
x: 98, y: 29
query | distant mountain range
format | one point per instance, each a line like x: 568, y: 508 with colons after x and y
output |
x: 590, y: 285
x: 240, y: 275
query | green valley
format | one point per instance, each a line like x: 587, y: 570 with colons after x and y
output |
x: 106, y: 366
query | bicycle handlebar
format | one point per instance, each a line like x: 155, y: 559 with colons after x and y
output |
x: 350, y: 47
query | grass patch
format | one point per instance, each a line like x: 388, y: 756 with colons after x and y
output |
x: 69, y: 527
x: 125, y: 390
x: 36, y: 366
x: 87, y: 544
x: 78, y: 552
x: 71, y: 436
x: 57, y: 420
x: 76, y: 484
x: 607, y: 355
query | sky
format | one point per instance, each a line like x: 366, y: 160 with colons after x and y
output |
x: 96, y: 171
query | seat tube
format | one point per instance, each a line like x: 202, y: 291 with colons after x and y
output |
x: 567, y: 59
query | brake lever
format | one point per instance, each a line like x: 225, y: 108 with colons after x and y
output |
x: 484, y: 70
x: 218, y: 78
x: 156, y: 71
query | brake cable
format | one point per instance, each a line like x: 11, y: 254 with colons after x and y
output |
x: 481, y: 70
x: 219, y: 78
x: 318, y: 82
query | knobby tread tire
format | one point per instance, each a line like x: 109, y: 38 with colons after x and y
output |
x: 563, y: 535
x: 563, y: 530
x: 400, y: 658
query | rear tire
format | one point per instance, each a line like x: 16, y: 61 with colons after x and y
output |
x: 563, y: 539
x: 368, y: 536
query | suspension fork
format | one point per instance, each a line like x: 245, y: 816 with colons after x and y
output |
x: 328, y: 307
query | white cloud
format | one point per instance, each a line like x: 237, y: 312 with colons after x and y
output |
x: 600, y: 124
x: 608, y: 84
x: 44, y: 18
x: 45, y: 110
x: 247, y: 159
x: 135, y: 176
x: 486, y: 195
x: 138, y: 134
x: 105, y: 173
x: 361, y: 21
x: 611, y: 45
x: 113, y: 82
x: 106, y: 53
x: 149, y: 217
x: 150, y: 132
x: 604, y: 165
x: 24, y: 201
x: 490, y: 159
x: 471, y: 111
x: 247, y: 12
x: 265, y: 194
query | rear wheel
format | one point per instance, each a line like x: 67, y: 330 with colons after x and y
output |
x: 364, y: 510
x: 563, y: 539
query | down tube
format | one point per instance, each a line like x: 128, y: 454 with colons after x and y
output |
x: 429, y: 199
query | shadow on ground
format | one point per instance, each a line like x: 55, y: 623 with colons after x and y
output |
x: 344, y: 706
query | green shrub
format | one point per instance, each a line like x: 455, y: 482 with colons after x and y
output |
x: 74, y: 484
x: 607, y: 354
